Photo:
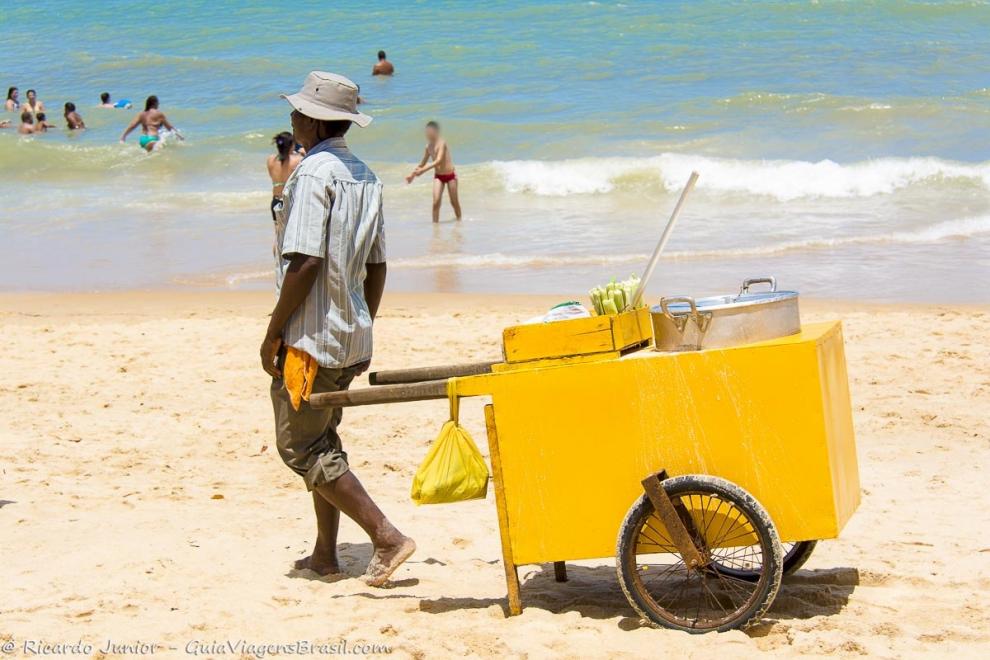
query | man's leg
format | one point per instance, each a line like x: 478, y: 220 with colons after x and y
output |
x: 437, y: 198
x: 391, y: 547
x: 324, y: 557
x: 452, y: 191
x: 308, y: 443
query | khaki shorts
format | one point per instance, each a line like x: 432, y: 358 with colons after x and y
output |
x: 307, y: 439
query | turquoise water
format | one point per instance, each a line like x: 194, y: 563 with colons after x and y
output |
x: 841, y: 145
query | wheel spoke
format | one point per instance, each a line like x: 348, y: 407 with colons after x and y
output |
x: 716, y: 595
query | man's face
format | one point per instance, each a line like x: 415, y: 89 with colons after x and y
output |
x: 31, y: 96
x: 303, y: 129
x: 431, y: 134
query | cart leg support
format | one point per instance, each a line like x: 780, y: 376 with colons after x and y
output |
x: 560, y: 571
x: 511, y: 575
x: 671, y: 519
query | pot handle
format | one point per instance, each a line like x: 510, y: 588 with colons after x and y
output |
x: 772, y: 281
x: 680, y: 320
x: 678, y: 299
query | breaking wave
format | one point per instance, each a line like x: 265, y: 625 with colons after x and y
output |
x: 780, y: 179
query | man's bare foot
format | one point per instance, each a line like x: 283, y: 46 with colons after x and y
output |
x: 321, y: 565
x: 386, y: 559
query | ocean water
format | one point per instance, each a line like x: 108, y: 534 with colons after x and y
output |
x: 842, y: 146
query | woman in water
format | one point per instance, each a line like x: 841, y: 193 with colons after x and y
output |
x: 12, y: 104
x: 33, y: 105
x: 280, y: 166
x: 73, y: 118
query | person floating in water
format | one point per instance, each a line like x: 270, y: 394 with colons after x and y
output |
x: 443, y: 166
x: 73, y: 118
x: 383, y: 67
x: 280, y: 165
x: 151, y: 121
x: 13, y: 103
x: 105, y: 102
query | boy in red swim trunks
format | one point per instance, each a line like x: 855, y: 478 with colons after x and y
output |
x: 443, y: 170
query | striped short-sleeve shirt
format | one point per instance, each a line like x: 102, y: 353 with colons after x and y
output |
x: 332, y: 209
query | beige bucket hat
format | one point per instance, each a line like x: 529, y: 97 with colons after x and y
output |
x: 329, y: 97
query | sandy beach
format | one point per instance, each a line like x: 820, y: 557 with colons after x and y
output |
x: 141, y: 499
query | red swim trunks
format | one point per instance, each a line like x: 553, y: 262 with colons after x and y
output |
x: 446, y: 178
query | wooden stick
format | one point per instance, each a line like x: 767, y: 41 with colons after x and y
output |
x: 420, y: 374
x: 508, y: 563
x: 434, y: 389
x: 648, y: 273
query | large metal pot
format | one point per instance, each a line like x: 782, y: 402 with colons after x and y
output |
x: 682, y: 323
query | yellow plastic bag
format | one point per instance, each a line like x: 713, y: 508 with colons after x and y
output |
x: 454, y: 469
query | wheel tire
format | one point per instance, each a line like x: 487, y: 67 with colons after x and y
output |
x: 766, y: 587
x: 795, y: 555
x: 798, y: 555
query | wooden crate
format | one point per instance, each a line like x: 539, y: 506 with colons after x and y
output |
x: 587, y: 336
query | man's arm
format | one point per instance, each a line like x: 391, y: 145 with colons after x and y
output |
x: 374, y: 286
x: 130, y: 127
x: 299, y: 279
x: 419, y: 168
x: 441, y: 154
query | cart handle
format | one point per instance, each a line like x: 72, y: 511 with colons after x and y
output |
x: 421, y: 374
x: 368, y: 396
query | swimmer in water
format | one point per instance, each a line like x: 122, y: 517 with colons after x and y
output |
x: 12, y: 103
x: 383, y: 67
x: 443, y: 170
x: 105, y: 101
x: 42, y: 124
x: 27, y: 126
x: 151, y: 121
x: 73, y: 118
x: 33, y: 105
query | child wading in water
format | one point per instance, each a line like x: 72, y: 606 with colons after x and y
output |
x: 443, y: 166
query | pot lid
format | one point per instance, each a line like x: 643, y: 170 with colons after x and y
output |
x: 715, y: 303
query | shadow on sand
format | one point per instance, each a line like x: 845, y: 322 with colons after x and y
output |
x: 594, y: 592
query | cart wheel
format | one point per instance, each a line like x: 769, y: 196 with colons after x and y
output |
x: 795, y: 554
x: 729, y: 525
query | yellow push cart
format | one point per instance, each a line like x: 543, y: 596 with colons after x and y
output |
x: 706, y: 474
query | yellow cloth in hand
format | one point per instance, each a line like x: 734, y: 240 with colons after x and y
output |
x: 299, y: 374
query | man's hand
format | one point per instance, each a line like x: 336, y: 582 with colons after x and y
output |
x: 269, y: 354
x: 361, y: 367
x: 409, y: 179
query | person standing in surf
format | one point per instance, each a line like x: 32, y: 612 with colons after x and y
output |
x: 151, y: 121
x: 329, y: 280
x: 444, y: 175
x: 281, y: 164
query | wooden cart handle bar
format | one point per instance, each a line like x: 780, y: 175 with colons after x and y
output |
x: 367, y: 396
x: 420, y: 374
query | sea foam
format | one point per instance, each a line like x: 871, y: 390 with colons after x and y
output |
x: 783, y: 180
